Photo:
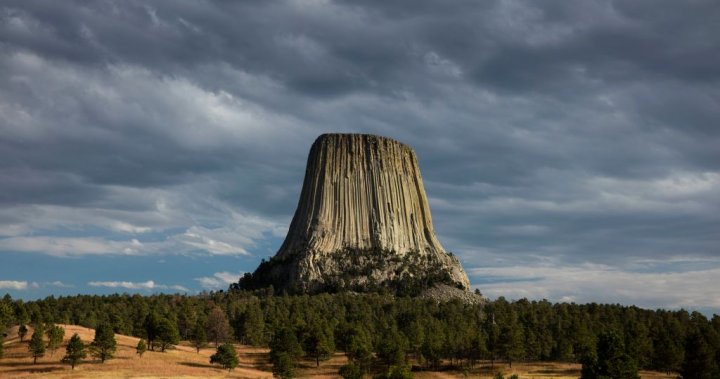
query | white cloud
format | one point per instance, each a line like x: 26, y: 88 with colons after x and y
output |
x: 14, y: 284
x: 238, y: 233
x: 602, y: 284
x: 128, y: 285
x: 219, y: 280
x: 59, y: 284
x: 148, y: 285
x: 69, y: 246
x: 176, y: 287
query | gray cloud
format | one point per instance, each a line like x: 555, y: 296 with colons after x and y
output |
x: 583, y: 132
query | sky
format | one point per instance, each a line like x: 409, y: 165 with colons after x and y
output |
x: 570, y: 150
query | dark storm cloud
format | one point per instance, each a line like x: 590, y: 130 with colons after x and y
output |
x: 546, y: 131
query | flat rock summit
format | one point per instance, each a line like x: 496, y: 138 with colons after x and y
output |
x: 362, y: 224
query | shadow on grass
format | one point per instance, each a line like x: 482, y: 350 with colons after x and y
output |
x: 200, y: 365
x: 38, y: 370
x: 260, y: 361
x: 28, y: 364
x: 557, y: 371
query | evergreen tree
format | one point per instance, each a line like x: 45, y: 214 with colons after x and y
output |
x: 37, y: 346
x: 433, y: 345
x: 22, y: 332
x: 285, y: 341
x: 478, y: 347
x: 391, y: 349
x: 284, y: 352
x: 283, y: 366
x: 415, y: 334
x: 6, y: 316
x: 610, y: 361
x: 21, y: 314
x: 104, y: 345
x: 187, y: 319
x: 151, y: 328
x: 492, y: 331
x: 667, y: 355
x: 351, y: 371
x: 226, y: 356
x: 359, y: 349
x: 55, y: 338
x: 700, y: 359
x: 253, y: 327
x: 318, y: 342
x: 166, y: 334
x: 396, y: 372
x: 141, y: 347
x: 75, y: 351
x: 638, y: 344
x: 510, y: 343
x: 199, y: 340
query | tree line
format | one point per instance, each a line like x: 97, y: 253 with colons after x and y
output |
x: 381, y: 333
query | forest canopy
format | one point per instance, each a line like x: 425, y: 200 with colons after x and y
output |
x: 390, y: 326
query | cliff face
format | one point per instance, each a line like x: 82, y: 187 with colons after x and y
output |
x: 362, y: 220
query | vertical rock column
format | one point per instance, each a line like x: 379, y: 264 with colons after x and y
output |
x: 360, y: 193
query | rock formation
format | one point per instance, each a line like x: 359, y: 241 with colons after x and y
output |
x: 362, y: 223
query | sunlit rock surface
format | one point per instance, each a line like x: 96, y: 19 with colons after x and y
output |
x: 362, y: 223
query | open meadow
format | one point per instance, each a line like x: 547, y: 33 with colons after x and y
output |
x: 184, y: 362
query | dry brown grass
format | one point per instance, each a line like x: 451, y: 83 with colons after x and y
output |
x: 184, y: 362
x: 180, y: 362
x: 532, y: 370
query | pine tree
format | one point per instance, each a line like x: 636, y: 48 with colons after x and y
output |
x: 318, y: 342
x: 610, y: 361
x: 22, y: 332
x: 396, y: 372
x: 141, y: 348
x: 285, y: 341
x: 434, y: 343
x: 391, y: 349
x: 37, y: 346
x: 492, y: 331
x: 415, y: 334
x: 667, y: 355
x: 700, y: 359
x: 351, y: 371
x: 283, y: 366
x: 167, y: 334
x: 55, y: 338
x: 6, y: 317
x: 253, y: 328
x: 104, y: 344
x: 199, y: 340
x: 510, y: 342
x: 478, y: 346
x: 225, y: 356
x: 151, y: 325
x: 75, y: 351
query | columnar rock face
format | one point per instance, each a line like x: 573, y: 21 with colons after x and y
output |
x: 362, y: 221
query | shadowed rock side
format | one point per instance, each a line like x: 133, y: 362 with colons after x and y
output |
x: 362, y: 222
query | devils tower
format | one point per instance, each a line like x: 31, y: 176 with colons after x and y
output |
x: 362, y: 223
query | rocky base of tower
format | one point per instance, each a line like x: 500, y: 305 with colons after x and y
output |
x: 358, y: 270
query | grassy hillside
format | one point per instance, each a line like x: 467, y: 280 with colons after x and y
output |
x: 184, y: 362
